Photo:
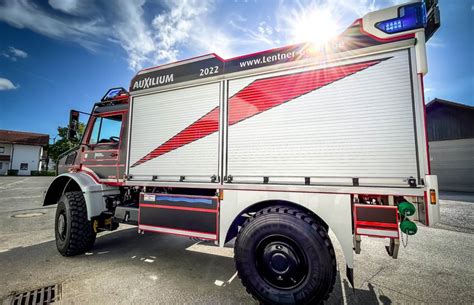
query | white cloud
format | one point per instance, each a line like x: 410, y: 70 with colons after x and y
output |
x: 238, y: 17
x: 6, y: 84
x: 180, y: 25
x: 14, y: 54
x: 132, y: 33
x: 264, y: 28
x: 67, y: 6
x: 17, y: 52
x: 262, y: 35
x: 6, y: 55
x: 285, y: 23
x: 435, y: 42
x: 87, y: 24
x: 25, y: 14
x: 173, y: 27
x: 359, y: 7
x: 216, y: 41
x: 185, y: 26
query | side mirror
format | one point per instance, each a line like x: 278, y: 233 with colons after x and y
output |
x: 73, y: 125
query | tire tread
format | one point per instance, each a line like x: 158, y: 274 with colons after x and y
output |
x: 301, y: 215
x: 82, y: 236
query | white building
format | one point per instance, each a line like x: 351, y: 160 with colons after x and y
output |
x: 22, y: 151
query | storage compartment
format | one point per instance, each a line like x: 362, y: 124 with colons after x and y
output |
x: 175, y: 135
x: 325, y: 126
x: 195, y: 216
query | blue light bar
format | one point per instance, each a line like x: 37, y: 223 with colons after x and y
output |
x: 410, y: 17
x: 113, y: 93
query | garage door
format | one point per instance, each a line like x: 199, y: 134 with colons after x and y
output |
x: 453, y: 162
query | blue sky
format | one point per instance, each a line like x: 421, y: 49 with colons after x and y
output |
x: 61, y: 54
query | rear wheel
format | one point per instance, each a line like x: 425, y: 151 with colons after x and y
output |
x: 73, y: 231
x: 283, y: 256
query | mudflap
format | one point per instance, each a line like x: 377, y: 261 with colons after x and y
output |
x: 350, y: 275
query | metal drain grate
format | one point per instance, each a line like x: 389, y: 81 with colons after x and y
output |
x: 41, y: 296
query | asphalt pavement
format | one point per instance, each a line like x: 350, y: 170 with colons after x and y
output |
x: 124, y: 267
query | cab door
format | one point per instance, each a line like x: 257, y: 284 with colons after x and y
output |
x: 100, y: 153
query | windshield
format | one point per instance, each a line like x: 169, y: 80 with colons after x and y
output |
x: 106, y: 130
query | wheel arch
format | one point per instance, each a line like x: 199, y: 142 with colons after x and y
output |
x: 93, y: 192
x: 58, y: 187
x: 332, y: 211
x: 240, y: 219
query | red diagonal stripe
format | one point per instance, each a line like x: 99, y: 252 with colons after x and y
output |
x: 259, y: 96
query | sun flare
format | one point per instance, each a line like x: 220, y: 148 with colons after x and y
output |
x: 317, y: 26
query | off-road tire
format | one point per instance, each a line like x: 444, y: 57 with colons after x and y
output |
x: 77, y: 235
x: 306, y: 232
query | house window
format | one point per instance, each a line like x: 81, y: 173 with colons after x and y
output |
x: 1, y: 166
x: 24, y: 166
x: 2, y: 149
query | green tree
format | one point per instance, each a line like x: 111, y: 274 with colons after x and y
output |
x: 63, y: 144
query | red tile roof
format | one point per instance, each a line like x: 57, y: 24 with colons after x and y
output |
x: 20, y: 137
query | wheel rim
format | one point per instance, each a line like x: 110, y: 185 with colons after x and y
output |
x: 62, y: 226
x: 281, y: 262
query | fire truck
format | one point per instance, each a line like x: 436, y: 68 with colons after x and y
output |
x: 268, y: 152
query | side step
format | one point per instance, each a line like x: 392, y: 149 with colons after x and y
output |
x: 127, y: 215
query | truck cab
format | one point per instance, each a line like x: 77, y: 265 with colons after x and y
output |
x: 101, y: 152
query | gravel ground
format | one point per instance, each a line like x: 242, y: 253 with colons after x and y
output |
x: 127, y: 268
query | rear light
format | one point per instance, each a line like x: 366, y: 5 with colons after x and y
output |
x: 410, y: 17
x: 433, y: 196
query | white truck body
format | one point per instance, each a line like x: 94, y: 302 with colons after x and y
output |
x: 366, y: 125
x: 359, y: 129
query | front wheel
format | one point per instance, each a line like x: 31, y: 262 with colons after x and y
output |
x: 73, y: 231
x: 283, y: 256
